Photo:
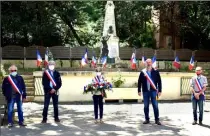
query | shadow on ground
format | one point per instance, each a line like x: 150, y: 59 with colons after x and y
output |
x: 75, y: 122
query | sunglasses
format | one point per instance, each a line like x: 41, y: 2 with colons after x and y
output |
x: 13, y: 70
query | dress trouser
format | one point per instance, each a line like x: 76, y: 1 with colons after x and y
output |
x: 147, y: 96
x: 196, y: 102
x: 98, y: 103
x: 47, y: 98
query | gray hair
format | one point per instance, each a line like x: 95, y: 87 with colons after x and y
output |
x: 51, y: 62
x: 12, y: 67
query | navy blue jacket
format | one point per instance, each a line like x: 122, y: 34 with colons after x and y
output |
x: 7, y: 88
x: 46, y: 82
x: 142, y: 82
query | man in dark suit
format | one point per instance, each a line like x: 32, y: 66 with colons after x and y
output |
x: 150, y: 83
x: 14, y: 91
x: 51, y: 81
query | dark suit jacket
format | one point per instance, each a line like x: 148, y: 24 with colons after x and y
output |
x: 142, y: 82
x: 46, y: 82
x: 7, y: 88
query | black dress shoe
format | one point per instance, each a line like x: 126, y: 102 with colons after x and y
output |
x: 57, y: 120
x: 194, y: 123
x: 200, y: 123
x: 158, y: 123
x: 44, y: 121
x: 22, y: 124
x: 146, y: 122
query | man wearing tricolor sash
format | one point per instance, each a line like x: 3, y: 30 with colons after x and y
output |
x: 14, y: 90
x: 150, y: 83
x: 51, y: 81
x: 198, y: 86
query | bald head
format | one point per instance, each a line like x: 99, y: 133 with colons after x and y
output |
x: 149, y: 62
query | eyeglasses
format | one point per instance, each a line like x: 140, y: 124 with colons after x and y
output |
x: 13, y: 70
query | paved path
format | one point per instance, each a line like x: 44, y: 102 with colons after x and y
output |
x: 120, y: 120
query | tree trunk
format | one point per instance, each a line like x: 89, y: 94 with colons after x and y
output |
x: 68, y: 22
x: 75, y: 33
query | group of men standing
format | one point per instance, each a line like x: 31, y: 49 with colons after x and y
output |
x: 14, y: 90
x: 149, y: 83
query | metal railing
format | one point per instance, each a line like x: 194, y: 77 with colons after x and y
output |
x: 185, y: 86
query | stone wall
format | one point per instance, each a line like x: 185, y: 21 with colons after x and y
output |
x: 73, y: 83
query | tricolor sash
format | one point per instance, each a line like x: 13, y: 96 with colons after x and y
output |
x: 50, y: 77
x: 14, y: 86
x: 198, y: 84
x: 97, y: 79
x: 149, y: 78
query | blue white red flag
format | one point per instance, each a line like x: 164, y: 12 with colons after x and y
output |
x: 133, y: 61
x: 84, y: 60
x: 176, y: 63
x: 154, y: 62
x: 93, y: 62
x: 191, y: 65
x: 46, y: 58
x: 143, y: 60
x: 39, y: 59
x: 104, y: 61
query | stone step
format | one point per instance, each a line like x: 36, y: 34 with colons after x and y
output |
x: 207, y: 96
x: 30, y: 93
x: 30, y: 88
x: 29, y: 81
x: 28, y: 84
x: 25, y: 77
x: 30, y: 98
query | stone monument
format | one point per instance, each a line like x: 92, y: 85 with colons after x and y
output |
x: 110, y: 41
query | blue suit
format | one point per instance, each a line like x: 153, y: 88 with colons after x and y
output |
x: 12, y: 97
x: 47, y: 85
x: 150, y: 93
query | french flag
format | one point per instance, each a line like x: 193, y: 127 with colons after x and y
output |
x: 133, y: 61
x: 176, y: 63
x: 39, y: 59
x: 84, y: 60
x: 191, y: 65
x: 143, y: 60
x: 46, y: 58
x: 103, y: 61
x: 154, y: 62
x: 93, y: 62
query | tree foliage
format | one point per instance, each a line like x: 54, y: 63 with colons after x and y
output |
x: 80, y: 23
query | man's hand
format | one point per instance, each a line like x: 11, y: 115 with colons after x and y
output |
x: 52, y: 91
x: 139, y: 93
x: 197, y: 95
x: 159, y: 94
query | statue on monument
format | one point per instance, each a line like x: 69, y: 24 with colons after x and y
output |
x: 105, y: 50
